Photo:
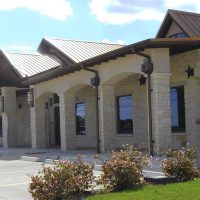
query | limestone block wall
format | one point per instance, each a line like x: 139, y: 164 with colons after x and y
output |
x: 139, y: 137
x: 23, y: 122
x: 88, y: 140
x: 179, y: 63
x: 110, y: 137
x: 38, y: 123
x: 9, y: 117
x: 161, y: 115
x: 1, y: 137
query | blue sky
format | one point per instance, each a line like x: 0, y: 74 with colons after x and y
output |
x: 23, y: 23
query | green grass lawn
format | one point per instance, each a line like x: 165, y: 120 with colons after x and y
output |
x: 176, y: 191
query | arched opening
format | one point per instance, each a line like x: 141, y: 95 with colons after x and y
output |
x: 81, y: 117
x: 124, y: 105
x: 48, y: 121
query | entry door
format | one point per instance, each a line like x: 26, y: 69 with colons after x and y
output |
x: 57, y: 125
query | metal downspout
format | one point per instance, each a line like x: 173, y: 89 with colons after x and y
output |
x: 149, y: 100
x: 96, y: 86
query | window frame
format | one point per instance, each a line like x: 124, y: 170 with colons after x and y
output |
x: 77, y: 131
x: 120, y: 131
x: 178, y: 35
x: 181, y: 111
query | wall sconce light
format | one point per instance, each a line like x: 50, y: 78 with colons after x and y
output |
x: 51, y: 102
x: 142, y: 80
x: 20, y: 106
x: 2, y: 104
x: 190, y: 71
x: 30, y: 96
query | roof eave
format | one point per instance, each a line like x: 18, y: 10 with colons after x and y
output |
x: 140, y: 46
x: 45, y: 46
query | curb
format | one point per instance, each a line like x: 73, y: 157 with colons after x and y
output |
x: 31, y: 159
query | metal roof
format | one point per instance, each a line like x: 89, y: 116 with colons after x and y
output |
x: 187, y: 21
x: 79, y: 51
x: 175, y: 45
x: 29, y: 64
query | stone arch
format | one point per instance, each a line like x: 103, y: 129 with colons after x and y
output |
x: 46, y: 121
x: 117, y: 78
x: 80, y: 94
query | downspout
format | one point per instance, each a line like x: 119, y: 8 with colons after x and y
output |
x: 95, y: 81
x: 147, y: 68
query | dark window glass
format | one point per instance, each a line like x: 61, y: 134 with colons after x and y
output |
x: 178, y: 35
x: 80, y: 118
x: 177, y: 109
x: 125, y: 114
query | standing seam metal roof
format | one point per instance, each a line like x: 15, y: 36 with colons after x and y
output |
x: 187, y: 21
x: 79, y: 51
x: 30, y: 64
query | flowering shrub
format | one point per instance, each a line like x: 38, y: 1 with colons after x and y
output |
x: 124, y: 169
x: 180, y: 165
x: 65, y: 179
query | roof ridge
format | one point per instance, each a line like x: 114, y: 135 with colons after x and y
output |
x: 22, y: 53
x: 49, y: 38
x: 183, y: 12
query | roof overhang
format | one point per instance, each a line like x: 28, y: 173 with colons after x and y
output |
x: 175, y: 45
x: 46, y: 48
x: 9, y: 76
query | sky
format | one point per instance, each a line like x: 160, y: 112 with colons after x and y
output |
x: 23, y: 23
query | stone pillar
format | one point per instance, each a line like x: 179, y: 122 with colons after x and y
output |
x: 192, y: 110
x: 9, y: 117
x: 107, y: 112
x: 38, y: 132
x: 67, y: 121
x: 161, y: 112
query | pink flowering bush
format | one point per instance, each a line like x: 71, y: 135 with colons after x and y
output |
x: 65, y: 179
x: 180, y: 164
x: 124, y: 169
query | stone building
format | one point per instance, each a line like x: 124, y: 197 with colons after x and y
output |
x: 71, y: 110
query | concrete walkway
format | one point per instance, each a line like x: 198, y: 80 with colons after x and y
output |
x: 48, y: 156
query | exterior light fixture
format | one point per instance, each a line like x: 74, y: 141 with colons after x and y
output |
x: 95, y: 81
x: 147, y: 68
x: 51, y: 102
x: 2, y: 103
x: 30, y: 96
x: 142, y: 80
x: 190, y: 71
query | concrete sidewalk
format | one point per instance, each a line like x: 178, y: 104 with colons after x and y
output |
x: 48, y: 156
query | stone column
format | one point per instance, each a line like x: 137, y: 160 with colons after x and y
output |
x: 38, y: 132
x: 9, y: 117
x: 192, y: 112
x: 67, y: 121
x: 161, y: 112
x: 107, y: 112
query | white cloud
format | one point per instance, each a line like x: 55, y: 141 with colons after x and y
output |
x: 124, y: 11
x: 58, y: 9
x: 119, y: 41
x: 192, y: 5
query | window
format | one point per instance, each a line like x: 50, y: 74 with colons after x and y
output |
x: 177, y: 109
x: 80, y: 118
x: 178, y: 35
x: 125, y: 114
